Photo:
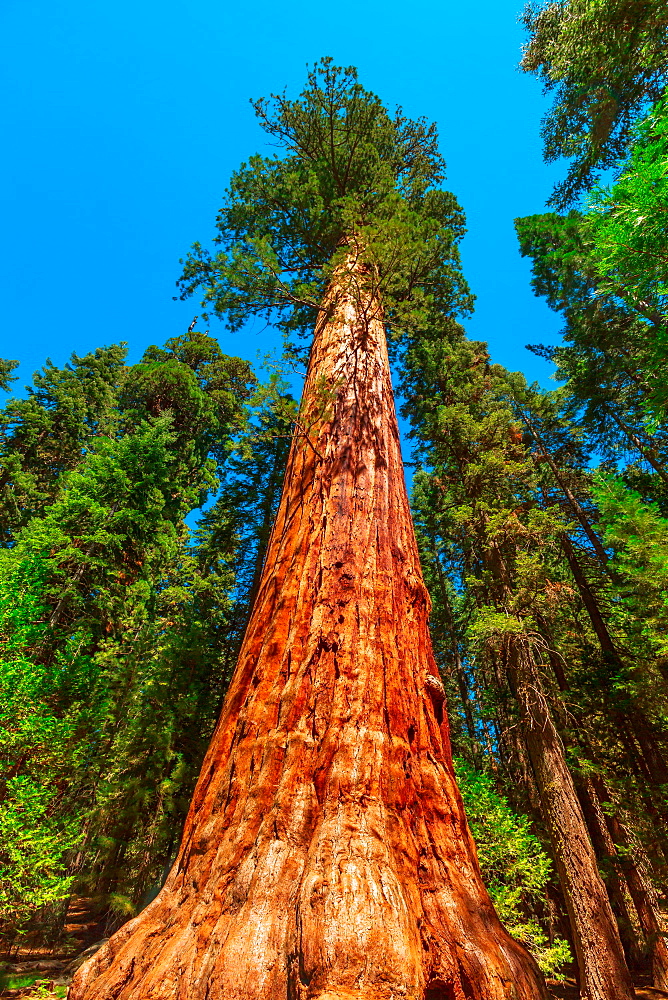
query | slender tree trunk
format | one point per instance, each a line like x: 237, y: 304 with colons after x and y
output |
x: 656, y: 812
x: 589, y: 600
x: 607, y: 854
x: 568, y: 493
x: 635, y: 720
x: 642, y: 893
x: 600, y: 957
x: 646, y: 451
x: 512, y: 749
x: 651, y: 751
x: 326, y: 854
x: 456, y: 667
x: 605, y: 849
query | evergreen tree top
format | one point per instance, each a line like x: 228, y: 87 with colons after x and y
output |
x: 604, y: 61
x: 350, y: 141
x: 347, y: 170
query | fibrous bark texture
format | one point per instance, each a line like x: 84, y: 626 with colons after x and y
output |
x: 641, y: 890
x: 598, y: 948
x: 326, y: 855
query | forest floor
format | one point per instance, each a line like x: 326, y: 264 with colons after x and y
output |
x: 569, y: 991
x: 47, y: 979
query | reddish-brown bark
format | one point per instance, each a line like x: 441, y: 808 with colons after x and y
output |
x: 326, y: 853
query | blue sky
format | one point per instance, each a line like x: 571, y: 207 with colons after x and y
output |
x: 122, y: 122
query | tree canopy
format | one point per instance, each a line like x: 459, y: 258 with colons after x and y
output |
x: 348, y: 170
x: 605, y: 62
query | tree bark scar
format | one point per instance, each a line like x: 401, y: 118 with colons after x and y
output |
x: 330, y: 641
x: 327, y: 837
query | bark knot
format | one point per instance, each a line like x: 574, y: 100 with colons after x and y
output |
x: 434, y: 686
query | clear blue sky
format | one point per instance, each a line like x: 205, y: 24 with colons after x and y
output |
x: 122, y: 122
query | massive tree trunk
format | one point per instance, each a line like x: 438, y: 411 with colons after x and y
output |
x: 326, y: 853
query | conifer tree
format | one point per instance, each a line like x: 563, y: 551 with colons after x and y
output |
x: 326, y: 852
x: 240, y: 521
x: 105, y: 609
x: 45, y: 434
x: 605, y: 62
x: 612, y: 356
x: 487, y: 482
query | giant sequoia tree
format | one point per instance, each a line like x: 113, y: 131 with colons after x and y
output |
x: 326, y: 853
